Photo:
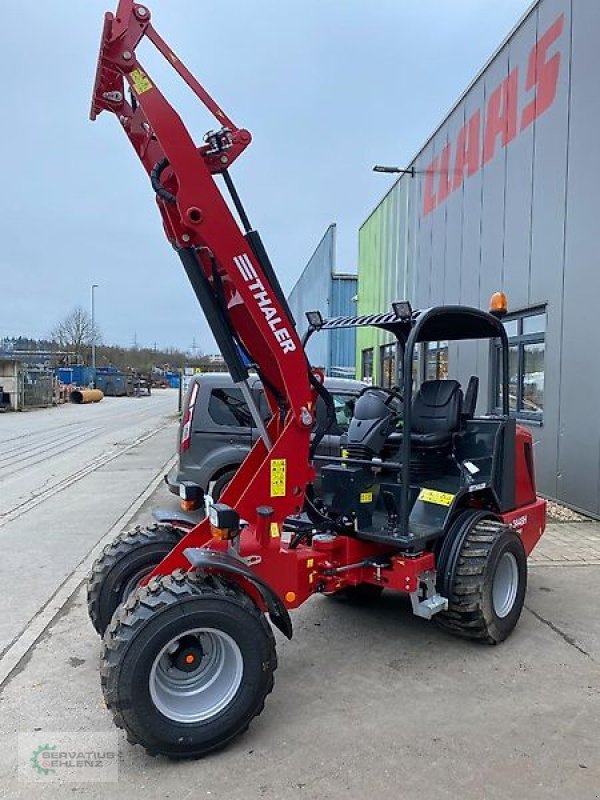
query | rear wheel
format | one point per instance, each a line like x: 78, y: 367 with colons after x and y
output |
x: 485, y: 579
x: 187, y: 664
x: 123, y: 564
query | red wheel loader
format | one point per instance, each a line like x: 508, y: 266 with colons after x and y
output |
x: 427, y: 497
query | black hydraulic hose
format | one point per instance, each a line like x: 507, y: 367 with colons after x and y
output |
x: 169, y: 197
x: 237, y: 202
x: 316, y: 516
x: 254, y: 241
x: 321, y: 430
x: 213, y: 312
x: 160, y: 190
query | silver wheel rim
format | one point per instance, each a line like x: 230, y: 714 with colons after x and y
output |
x: 202, y: 693
x: 506, y: 585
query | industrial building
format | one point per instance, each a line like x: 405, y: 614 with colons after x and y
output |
x: 321, y: 288
x: 25, y: 382
x: 503, y: 197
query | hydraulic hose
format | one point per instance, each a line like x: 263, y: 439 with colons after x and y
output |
x: 160, y: 190
x: 321, y: 430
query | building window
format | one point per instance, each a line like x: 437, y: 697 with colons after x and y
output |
x: 436, y: 361
x: 389, y: 373
x: 367, y: 365
x: 417, y: 367
x: 526, y: 333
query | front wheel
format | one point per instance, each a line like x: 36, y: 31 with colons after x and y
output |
x: 187, y: 664
x: 485, y: 581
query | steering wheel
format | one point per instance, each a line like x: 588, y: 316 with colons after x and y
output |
x: 394, y: 394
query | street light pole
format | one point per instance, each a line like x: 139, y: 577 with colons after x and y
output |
x: 395, y: 170
x: 94, y: 286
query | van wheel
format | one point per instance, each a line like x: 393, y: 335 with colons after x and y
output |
x: 221, y: 484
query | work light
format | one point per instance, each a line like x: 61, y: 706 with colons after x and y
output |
x: 315, y: 319
x: 402, y: 309
x: 224, y: 521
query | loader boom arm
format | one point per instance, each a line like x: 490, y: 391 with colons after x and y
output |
x: 227, y: 266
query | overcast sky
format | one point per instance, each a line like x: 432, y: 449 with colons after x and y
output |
x: 327, y: 87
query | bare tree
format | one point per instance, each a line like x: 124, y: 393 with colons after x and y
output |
x: 76, y: 332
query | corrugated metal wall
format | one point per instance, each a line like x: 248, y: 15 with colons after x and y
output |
x: 505, y: 198
x: 342, y: 343
x: 312, y: 292
x: 320, y: 288
x: 385, y: 269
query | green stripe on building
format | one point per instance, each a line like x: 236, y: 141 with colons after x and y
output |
x: 383, y: 272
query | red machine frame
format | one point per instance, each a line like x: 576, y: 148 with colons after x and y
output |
x: 199, y: 224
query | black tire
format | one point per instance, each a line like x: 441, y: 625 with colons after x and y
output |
x: 169, y: 607
x: 473, y: 580
x: 221, y: 483
x: 123, y: 563
x: 362, y: 595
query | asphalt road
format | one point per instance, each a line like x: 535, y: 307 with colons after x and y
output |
x: 67, y: 474
x: 367, y: 703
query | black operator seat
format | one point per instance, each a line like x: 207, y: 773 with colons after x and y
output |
x: 470, y: 401
x: 436, y: 414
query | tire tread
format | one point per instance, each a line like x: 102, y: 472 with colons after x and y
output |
x: 160, y: 593
x: 465, y: 616
x: 121, y: 546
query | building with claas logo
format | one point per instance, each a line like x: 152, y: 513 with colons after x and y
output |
x: 505, y: 197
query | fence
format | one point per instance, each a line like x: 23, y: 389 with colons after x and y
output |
x: 37, y: 387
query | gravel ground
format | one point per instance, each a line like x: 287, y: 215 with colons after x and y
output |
x: 560, y: 513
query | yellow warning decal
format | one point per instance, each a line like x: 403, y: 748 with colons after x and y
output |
x: 274, y: 530
x: 366, y: 497
x: 278, y: 470
x: 141, y: 82
x: 433, y: 496
x: 344, y: 453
